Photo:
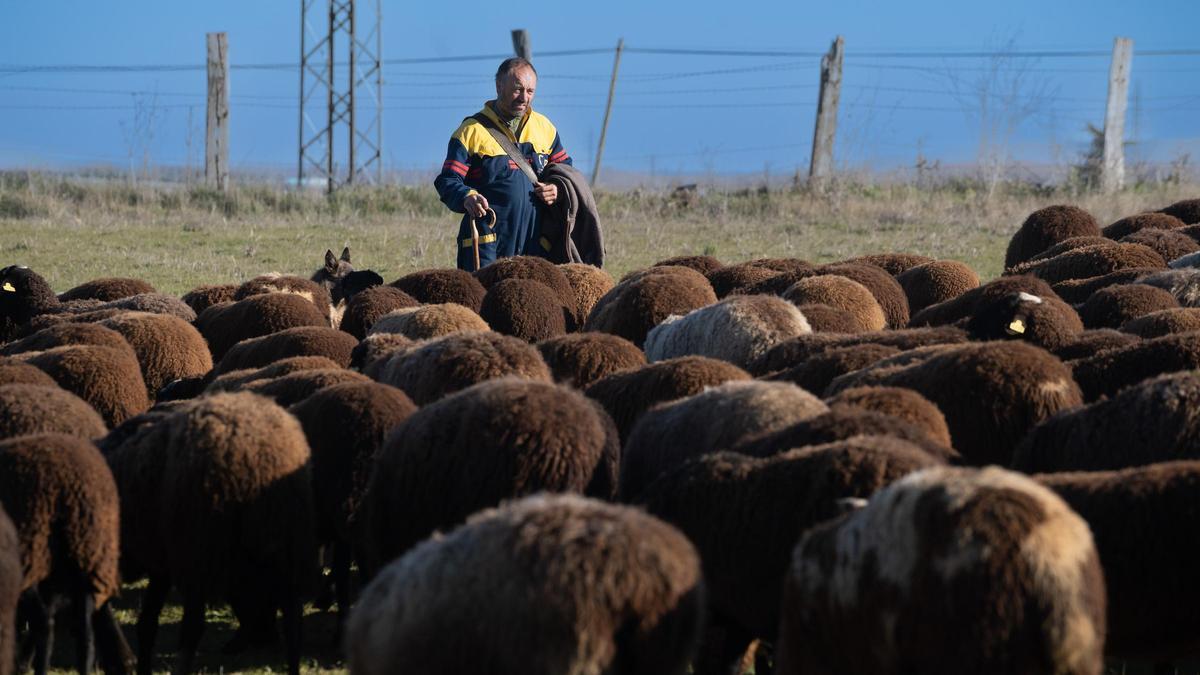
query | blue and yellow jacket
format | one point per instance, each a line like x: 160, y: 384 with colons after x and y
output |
x: 475, y: 162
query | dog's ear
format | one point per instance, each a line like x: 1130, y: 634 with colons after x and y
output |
x: 346, y: 254
x: 330, y: 261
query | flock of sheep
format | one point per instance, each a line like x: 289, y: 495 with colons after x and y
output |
x: 878, y: 465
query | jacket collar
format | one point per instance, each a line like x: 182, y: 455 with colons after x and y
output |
x: 491, y: 114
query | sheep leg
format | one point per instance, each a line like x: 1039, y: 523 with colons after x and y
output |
x: 147, y: 626
x: 113, y: 652
x: 190, y: 631
x: 43, y: 633
x: 291, y: 628
x: 341, y: 584
x: 85, y: 649
x: 28, y: 610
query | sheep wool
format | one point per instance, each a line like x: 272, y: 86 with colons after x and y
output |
x: 1142, y: 221
x: 167, y: 347
x: 580, y: 359
x: 1113, y: 306
x: 646, y: 299
x: 590, y: 283
x: 701, y: 263
x: 109, y: 379
x: 1045, y: 228
x: 366, y: 307
x: 429, y: 321
x: 904, y: 404
x: 106, y: 289
x: 295, y: 387
x: 546, y: 585
x: 1170, y: 244
x: 1077, y: 291
x: 958, y: 308
x: 1091, y: 342
x: 839, y: 292
x: 730, y: 279
x: 13, y: 371
x: 1015, y: 569
x: 892, y: 263
x: 438, y: 367
x: 815, y: 374
x: 442, y: 285
x: 528, y: 267
x: 1187, y: 210
x: 36, y: 409
x: 527, y: 309
x: 11, y: 577
x: 299, y: 341
x: 1091, y: 261
x: 201, y: 298
x: 738, y: 329
x: 227, y: 324
x: 935, y: 282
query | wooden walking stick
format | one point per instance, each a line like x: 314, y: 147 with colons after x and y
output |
x: 475, y: 235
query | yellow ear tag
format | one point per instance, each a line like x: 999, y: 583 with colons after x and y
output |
x: 9, y: 287
x: 1017, y: 327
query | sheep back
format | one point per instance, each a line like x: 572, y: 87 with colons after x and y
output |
x: 109, y: 379
x: 225, y: 325
x: 34, y: 409
x: 589, y: 283
x: 167, y: 347
x: 260, y: 351
x: 107, y: 289
x: 1111, y: 370
x: 579, y: 359
x: 442, y: 285
x: 935, y: 282
x: 1046, y: 227
x: 737, y: 329
x: 445, y: 365
x: 366, y: 307
x: 527, y: 309
x: 644, y: 300
x: 429, y: 321
x: 840, y: 292
x: 1142, y: 221
x: 905, y: 404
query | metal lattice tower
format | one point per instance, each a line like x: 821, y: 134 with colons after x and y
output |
x: 341, y: 101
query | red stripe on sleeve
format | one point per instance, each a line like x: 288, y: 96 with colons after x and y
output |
x: 457, y: 167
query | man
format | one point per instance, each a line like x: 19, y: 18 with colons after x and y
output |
x: 478, y: 174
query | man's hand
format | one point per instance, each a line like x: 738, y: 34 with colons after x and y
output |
x: 547, y: 192
x: 476, y: 205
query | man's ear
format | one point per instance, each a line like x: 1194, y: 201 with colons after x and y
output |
x: 330, y: 261
x: 346, y: 254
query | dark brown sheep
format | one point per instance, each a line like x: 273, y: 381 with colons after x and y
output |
x: 714, y: 420
x: 1014, y: 571
x: 887, y: 291
x: 628, y: 394
x: 63, y: 501
x: 779, y: 264
x: 299, y: 341
x: 167, y: 347
x: 1142, y: 221
x: 842, y: 423
x: 963, y: 306
x: 293, y: 388
x: 365, y: 308
x: 842, y: 293
x: 590, y: 283
x: 343, y: 455
x: 1164, y: 322
x: 826, y: 319
x: 25, y: 295
x: 429, y: 321
x: 1112, y: 306
x: 1151, y: 421
x: 701, y: 263
x: 155, y: 303
x: 11, y: 576
x: 36, y: 409
x: 1045, y: 228
x: 201, y: 298
x: 935, y: 282
x: 236, y: 380
x: 1070, y: 245
x: 473, y: 449
x: 1092, y: 261
x: 547, y: 585
x: 528, y: 267
x: 905, y: 404
x: 1046, y: 322
x: 13, y: 371
x: 815, y: 373
x: 1169, y: 244
x: 1187, y: 210
x: 580, y: 359
x: 527, y: 309
x: 1111, y: 370
x: 892, y: 263
x: 1091, y: 342
x: 441, y: 285
x: 106, y: 289
x: 730, y: 279
x: 308, y: 289
x: 374, y: 348
x: 793, y: 352
x: 67, y: 333
x: 991, y: 393
x: 219, y: 505
x: 641, y: 302
x: 738, y: 329
x: 1136, y: 517
x: 109, y: 379
x: 1077, y: 291
x: 435, y: 368
x: 875, y: 373
x: 745, y: 515
x: 225, y: 325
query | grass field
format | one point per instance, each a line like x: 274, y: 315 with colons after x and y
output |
x: 179, y: 238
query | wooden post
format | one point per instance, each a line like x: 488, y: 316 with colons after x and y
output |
x: 1112, y: 177
x: 612, y: 88
x: 821, y: 166
x: 216, y: 137
x: 521, y: 48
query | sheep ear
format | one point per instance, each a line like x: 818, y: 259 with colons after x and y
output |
x: 849, y: 504
x: 346, y: 254
x: 330, y: 261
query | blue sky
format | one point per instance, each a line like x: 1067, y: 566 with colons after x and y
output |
x: 686, y: 113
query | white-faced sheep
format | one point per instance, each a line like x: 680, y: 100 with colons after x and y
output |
x: 1045, y: 228
x: 947, y: 570
x: 35, y: 409
x: 644, y: 300
x: 991, y: 393
x: 527, y: 309
x: 1153, y: 421
x: 1107, y: 372
x: 935, y: 282
x: 106, y: 289
x: 745, y: 515
x: 63, y: 501
x: 1137, y: 516
x: 365, y: 308
x: 299, y: 341
x: 628, y: 394
x: 109, y: 379
x: 429, y: 321
x: 738, y: 329
x: 842, y: 293
x: 225, y: 325
x: 542, y: 586
x: 580, y: 359
x: 218, y: 503
x: 442, y: 285
x: 470, y: 450
x: 713, y: 420
x: 438, y: 367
